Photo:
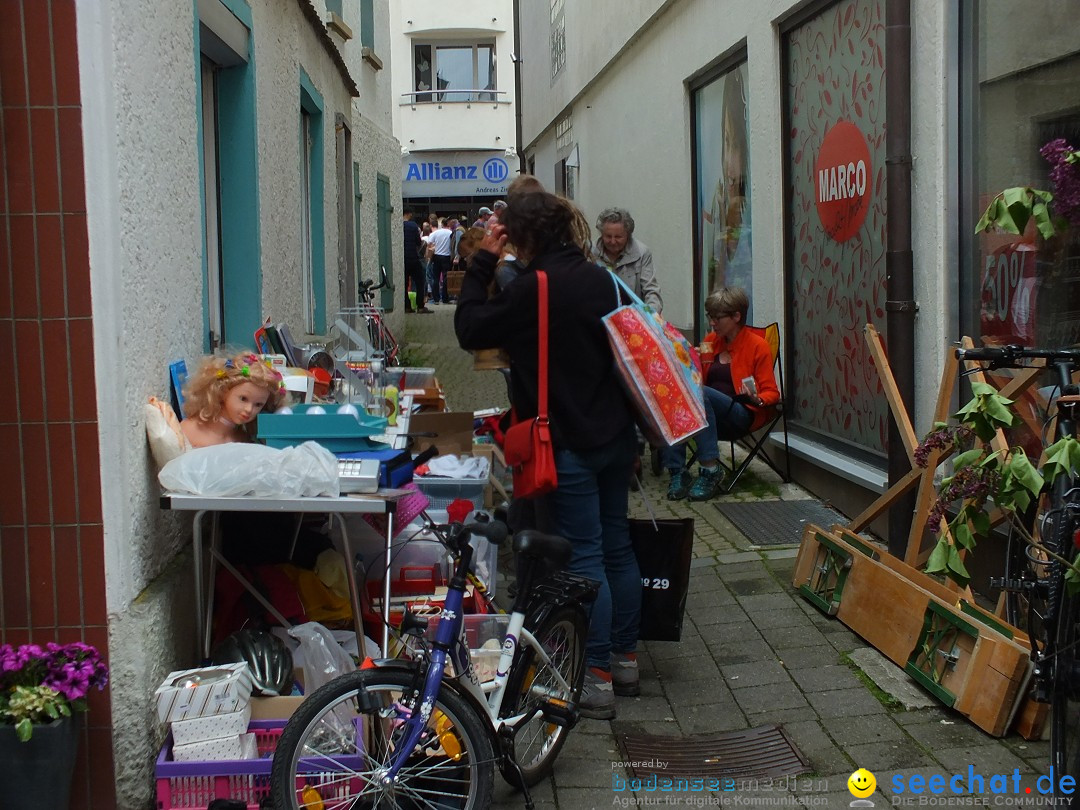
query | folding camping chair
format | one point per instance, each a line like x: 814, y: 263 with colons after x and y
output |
x: 754, y: 442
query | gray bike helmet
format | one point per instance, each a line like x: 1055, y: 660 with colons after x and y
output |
x: 266, y: 655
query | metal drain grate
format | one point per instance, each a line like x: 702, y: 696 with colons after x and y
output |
x: 757, y: 753
x: 778, y: 523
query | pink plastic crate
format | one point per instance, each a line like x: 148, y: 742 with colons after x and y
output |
x: 193, y: 785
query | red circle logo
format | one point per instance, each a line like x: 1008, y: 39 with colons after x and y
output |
x: 842, y: 181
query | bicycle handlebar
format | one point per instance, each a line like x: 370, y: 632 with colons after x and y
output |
x: 1013, y: 353
x: 494, y: 531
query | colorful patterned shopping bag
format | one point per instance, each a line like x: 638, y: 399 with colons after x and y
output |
x: 659, y: 369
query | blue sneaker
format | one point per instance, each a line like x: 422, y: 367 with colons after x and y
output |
x: 679, y: 486
x: 708, y: 484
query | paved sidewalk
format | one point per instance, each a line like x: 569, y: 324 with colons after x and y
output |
x: 753, y: 652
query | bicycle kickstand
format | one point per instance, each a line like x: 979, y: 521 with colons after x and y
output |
x: 507, y: 734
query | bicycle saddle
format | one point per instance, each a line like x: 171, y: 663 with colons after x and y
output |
x: 542, y: 546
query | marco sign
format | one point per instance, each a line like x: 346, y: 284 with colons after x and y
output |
x: 843, y: 181
x: 454, y: 174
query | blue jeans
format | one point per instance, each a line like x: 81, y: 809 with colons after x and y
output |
x: 589, y: 509
x: 727, y: 420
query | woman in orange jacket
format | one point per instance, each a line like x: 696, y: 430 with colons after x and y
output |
x: 739, y: 388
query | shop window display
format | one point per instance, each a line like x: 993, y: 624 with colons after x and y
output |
x: 834, y: 64
x: 1022, y: 96
x: 722, y: 163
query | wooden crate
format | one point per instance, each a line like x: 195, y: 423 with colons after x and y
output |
x: 453, y: 282
x: 967, y: 658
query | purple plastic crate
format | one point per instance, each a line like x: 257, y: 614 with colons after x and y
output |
x: 191, y: 785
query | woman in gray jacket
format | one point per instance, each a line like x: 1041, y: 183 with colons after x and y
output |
x: 629, y: 258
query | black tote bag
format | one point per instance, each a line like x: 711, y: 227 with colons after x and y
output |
x: 663, y: 554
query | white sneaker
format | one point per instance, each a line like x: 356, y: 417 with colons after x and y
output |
x: 597, y: 699
x: 624, y: 674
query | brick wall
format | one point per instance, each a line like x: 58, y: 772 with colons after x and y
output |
x: 51, y: 542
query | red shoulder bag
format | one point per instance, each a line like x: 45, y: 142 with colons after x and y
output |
x: 527, y: 446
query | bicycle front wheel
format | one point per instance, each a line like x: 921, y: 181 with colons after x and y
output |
x: 534, y: 680
x: 342, y: 739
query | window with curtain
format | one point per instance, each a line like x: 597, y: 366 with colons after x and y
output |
x: 455, y: 72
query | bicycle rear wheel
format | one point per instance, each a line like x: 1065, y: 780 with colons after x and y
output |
x: 1027, y: 608
x: 1065, y: 706
x: 341, y: 740
x: 536, y: 743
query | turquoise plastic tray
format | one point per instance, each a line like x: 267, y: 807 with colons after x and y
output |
x: 338, y: 433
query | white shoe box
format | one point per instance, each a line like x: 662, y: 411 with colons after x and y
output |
x: 191, y: 693
x: 240, y: 746
x: 200, y: 729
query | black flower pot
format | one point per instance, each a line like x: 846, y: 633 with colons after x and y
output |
x: 36, y: 774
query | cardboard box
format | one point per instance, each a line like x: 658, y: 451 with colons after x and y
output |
x: 429, y: 397
x: 240, y: 746
x: 200, y: 729
x: 190, y: 693
x: 274, y: 707
x: 453, y: 432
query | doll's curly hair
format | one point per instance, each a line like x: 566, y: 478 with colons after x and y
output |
x: 204, y: 393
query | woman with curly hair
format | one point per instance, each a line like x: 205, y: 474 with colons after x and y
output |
x: 591, y: 422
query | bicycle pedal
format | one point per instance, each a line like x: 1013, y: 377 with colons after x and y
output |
x: 559, y: 712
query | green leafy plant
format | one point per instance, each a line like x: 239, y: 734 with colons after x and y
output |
x: 983, y: 475
x: 1012, y: 208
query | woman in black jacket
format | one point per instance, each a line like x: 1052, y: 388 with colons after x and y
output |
x: 591, y: 422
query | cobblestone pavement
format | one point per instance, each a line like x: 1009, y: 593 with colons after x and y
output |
x: 753, y: 652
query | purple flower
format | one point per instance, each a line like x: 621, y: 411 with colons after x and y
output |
x: 70, y: 670
x: 1064, y: 178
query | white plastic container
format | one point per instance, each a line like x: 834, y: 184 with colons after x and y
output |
x: 200, y: 729
x: 190, y: 693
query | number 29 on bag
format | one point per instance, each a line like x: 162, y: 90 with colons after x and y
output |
x: 655, y: 584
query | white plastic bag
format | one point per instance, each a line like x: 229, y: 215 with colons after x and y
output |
x: 238, y: 468
x: 324, y: 659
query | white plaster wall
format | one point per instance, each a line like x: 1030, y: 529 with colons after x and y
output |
x: 595, y: 33
x: 631, y: 122
x: 376, y: 101
x: 285, y: 43
x: 474, y: 125
x: 137, y: 74
x: 378, y: 152
x: 138, y: 83
x: 933, y: 199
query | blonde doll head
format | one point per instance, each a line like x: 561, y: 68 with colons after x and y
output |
x: 208, y: 389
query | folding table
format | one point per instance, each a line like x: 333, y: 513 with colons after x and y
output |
x: 378, y: 503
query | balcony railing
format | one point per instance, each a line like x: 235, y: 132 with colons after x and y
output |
x: 454, y: 96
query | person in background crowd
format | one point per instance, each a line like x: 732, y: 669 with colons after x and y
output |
x: 426, y: 253
x: 440, y: 261
x: 455, y: 240
x: 414, y: 267
x: 732, y: 405
x: 629, y: 258
x: 482, y: 218
x: 496, y: 211
x: 591, y: 422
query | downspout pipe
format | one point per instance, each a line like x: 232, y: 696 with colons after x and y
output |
x: 517, y: 88
x: 900, y: 306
